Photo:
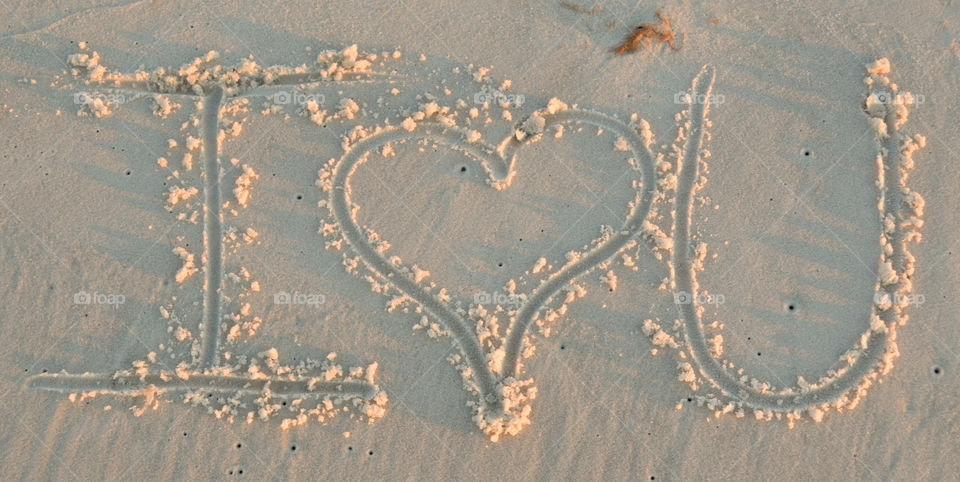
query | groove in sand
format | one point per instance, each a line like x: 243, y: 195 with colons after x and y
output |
x: 212, y: 231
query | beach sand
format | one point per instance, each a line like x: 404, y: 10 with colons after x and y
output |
x: 474, y: 242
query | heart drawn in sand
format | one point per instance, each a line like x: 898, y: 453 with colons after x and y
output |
x: 492, y: 369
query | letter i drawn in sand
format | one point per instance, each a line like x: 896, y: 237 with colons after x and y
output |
x: 317, y: 389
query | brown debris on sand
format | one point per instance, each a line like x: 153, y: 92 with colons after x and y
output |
x: 646, y: 34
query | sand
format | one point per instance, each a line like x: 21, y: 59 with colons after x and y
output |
x: 481, y: 241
